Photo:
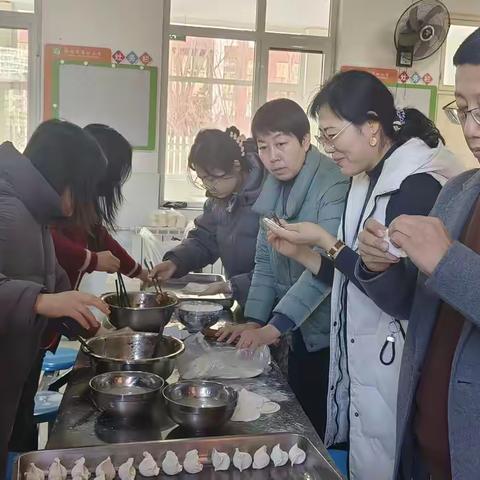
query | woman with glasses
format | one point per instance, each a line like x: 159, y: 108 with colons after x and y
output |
x: 229, y: 170
x: 397, y: 163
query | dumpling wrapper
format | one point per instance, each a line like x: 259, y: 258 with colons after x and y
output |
x: 242, y: 460
x: 170, y: 464
x: 220, y: 461
x: 279, y: 457
x: 126, y: 471
x: 261, y: 458
x: 148, y: 466
x: 34, y: 473
x: 80, y: 471
x: 57, y: 471
x: 296, y: 455
x: 392, y: 249
x: 106, y: 467
x: 191, y: 463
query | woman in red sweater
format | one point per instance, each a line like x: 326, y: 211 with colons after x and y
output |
x: 87, y: 247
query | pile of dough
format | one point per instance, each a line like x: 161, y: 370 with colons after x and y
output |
x: 57, y: 471
x: 220, y: 461
x: 126, y: 471
x: 80, y: 471
x: 261, y: 458
x: 192, y: 463
x: 148, y: 466
x: 279, y: 457
x: 106, y: 469
x: 242, y: 460
x: 170, y: 464
x: 34, y: 473
x: 296, y: 455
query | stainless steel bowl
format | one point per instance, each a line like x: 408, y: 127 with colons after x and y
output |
x: 195, y: 319
x: 144, y: 315
x: 125, y: 394
x: 200, y: 406
x: 133, y: 352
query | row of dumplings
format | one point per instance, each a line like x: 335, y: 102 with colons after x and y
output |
x: 171, y: 465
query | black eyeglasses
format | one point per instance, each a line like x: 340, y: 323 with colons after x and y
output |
x: 458, y: 116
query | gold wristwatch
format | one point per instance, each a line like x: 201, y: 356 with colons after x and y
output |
x: 336, y: 249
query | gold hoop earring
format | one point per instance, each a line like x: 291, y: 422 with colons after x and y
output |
x: 373, y: 141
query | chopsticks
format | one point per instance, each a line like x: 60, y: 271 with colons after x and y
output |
x: 149, y: 266
x: 122, y: 296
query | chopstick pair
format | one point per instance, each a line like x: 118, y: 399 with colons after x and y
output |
x: 149, y: 266
x: 122, y: 296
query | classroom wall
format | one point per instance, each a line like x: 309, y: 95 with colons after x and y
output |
x: 117, y: 24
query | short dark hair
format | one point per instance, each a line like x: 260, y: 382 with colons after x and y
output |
x: 67, y: 157
x: 468, y: 53
x: 359, y: 96
x: 216, y: 149
x: 281, y: 115
x: 118, y: 151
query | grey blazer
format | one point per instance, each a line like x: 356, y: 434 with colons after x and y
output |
x: 403, y: 294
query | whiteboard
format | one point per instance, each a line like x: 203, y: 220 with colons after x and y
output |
x: 421, y: 97
x: 121, y: 96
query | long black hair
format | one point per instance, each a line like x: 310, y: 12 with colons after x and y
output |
x: 359, y: 96
x: 119, y: 155
x: 216, y: 149
x: 68, y: 157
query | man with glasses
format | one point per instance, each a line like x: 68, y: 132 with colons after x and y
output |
x: 438, y: 411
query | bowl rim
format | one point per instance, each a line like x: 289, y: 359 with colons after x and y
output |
x: 196, y: 302
x: 140, y: 360
x: 174, y: 303
x: 155, y: 390
x: 227, y: 387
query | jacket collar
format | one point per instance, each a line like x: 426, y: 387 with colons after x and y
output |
x: 473, y: 181
x: 28, y: 185
x: 268, y: 200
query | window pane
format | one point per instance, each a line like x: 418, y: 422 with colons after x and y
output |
x: 17, y: 6
x: 306, y: 17
x: 456, y: 35
x: 210, y: 86
x: 13, y: 86
x: 214, y: 13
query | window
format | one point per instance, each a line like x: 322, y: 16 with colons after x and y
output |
x: 221, y: 67
x: 18, y: 36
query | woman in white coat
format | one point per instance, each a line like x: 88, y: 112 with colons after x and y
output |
x: 398, y: 163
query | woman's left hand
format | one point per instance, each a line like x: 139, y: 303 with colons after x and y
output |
x: 258, y: 337
x: 305, y: 233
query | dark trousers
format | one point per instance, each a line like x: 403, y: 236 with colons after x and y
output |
x: 308, y: 378
x: 24, y: 436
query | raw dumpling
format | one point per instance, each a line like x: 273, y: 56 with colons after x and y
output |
x: 57, y: 471
x: 170, y: 464
x: 220, y: 461
x: 242, y: 460
x: 296, y: 455
x: 107, y: 468
x: 34, y: 473
x: 127, y: 471
x: 192, y: 463
x: 148, y: 466
x: 100, y: 477
x: 279, y: 457
x: 261, y: 458
x: 80, y: 471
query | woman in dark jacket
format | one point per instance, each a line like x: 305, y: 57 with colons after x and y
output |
x: 230, y: 171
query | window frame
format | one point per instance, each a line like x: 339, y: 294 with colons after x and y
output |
x: 264, y: 42
x: 459, y: 20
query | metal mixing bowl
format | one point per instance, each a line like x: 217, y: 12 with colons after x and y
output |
x: 194, y: 319
x: 125, y: 393
x: 145, y: 315
x: 199, y: 405
x: 133, y: 352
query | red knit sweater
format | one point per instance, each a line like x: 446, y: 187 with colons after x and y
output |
x: 77, y: 256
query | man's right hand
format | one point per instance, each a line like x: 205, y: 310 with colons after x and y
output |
x: 107, y: 262
x: 229, y: 333
x: 373, y: 248
x: 71, y: 304
x: 164, y: 271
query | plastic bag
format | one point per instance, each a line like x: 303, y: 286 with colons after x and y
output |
x: 154, y: 247
x: 203, y: 359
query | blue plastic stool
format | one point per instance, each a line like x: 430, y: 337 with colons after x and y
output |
x: 62, y: 359
x: 340, y: 457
